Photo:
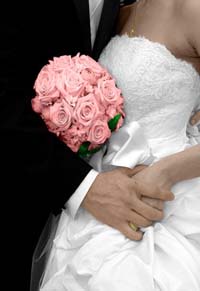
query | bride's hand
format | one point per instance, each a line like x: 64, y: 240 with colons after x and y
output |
x: 153, y: 202
x: 114, y: 199
x: 158, y: 179
x: 195, y: 118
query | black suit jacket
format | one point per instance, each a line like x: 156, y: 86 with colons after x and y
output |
x: 39, y: 172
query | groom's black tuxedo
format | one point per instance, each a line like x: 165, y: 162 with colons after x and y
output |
x: 39, y: 172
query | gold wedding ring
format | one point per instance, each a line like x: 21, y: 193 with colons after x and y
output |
x: 133, y: 226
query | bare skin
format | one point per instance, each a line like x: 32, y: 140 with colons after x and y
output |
x: 138, y: 195
x: 174, y: 23
x: 195, y: 118
x: 115, y: 199
x: 172, y: 169
x: 167, y: 22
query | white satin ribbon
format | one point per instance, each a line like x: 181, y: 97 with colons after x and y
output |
x: 127, y: 147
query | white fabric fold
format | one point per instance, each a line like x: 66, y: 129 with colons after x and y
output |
x: 160, y: 93
x: 127, y: 147
x: 194, y: 133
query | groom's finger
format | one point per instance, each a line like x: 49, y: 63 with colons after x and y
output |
x: 130, y: 233
x: 139, y: 220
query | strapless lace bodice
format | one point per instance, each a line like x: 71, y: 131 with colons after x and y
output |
x: 160, y: 90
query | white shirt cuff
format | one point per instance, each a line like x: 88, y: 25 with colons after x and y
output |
x: 76, y: 199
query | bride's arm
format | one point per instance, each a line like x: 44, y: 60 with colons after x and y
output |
x: 181, y: 166
x: 186, y: 164
x: 191, y: 19
x: 172, y: 169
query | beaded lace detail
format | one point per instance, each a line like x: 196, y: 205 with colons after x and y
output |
x: 160, y: 90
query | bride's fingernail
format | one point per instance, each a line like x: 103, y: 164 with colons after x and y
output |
x: 193, y: 121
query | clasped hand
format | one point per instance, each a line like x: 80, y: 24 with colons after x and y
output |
x: 134, y: 195
x: 129, y: 195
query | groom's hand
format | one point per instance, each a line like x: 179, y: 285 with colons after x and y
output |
x: 115, y: 199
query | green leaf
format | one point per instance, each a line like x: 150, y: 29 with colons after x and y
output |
x: 83, y: 150
x: 93, y: 151
x: 112, y: 123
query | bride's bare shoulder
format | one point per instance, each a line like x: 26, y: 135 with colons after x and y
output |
x: 191, y: 17
x: 190, y: 5
x: 187, y: 14
x: 190, y: 10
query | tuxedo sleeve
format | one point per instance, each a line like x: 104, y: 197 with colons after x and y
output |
x: 35, y: 163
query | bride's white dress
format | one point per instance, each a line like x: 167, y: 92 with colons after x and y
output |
x: 160, y: 94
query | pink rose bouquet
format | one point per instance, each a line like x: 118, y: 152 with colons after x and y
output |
x: 79, y: 102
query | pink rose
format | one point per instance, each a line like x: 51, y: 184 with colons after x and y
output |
x: 89, y: 63
x: 89, y: 76
x: 99, y: 132
x: 71, y: 100
x: 51, y: 127
x: 74, y: 137
x: 89, y: 89
x: 45, y: 115
x: 76, y: 97
x: 120, y: 109
x: 60, y: 115
x: 87, y: 110
x: 70, y: 83
x: 61, y: 63
x: 49, y: 100
x: 36, y: 104
x: 111, y: 111
x: 108, y: 92
x: 45, y: 84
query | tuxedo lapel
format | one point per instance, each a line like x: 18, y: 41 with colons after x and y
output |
x: 82, y: 7
x: 106, y: 25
